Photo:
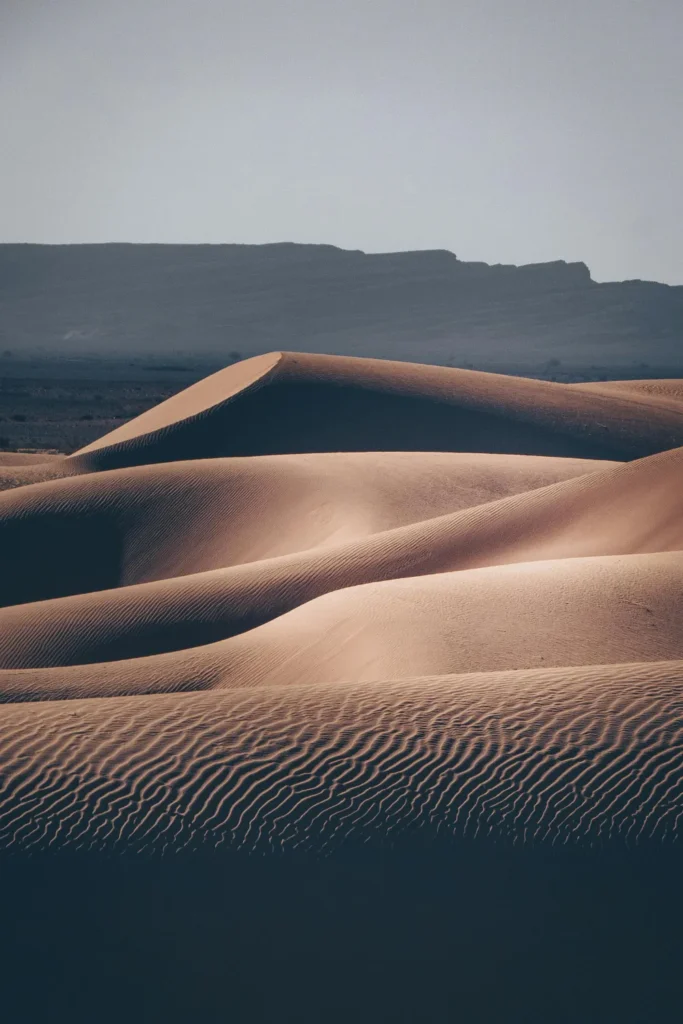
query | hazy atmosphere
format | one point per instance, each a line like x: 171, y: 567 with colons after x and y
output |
x: 510, y: 131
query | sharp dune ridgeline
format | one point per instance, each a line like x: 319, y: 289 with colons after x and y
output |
x: 315, y: 600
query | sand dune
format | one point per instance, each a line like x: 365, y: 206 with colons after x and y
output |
x: 18, y: 473
x: 664, y: 391
x: 275, y: 506
x: 391, y: 595
x: 576, y: 611
x: 624, y: 509
x: 552, y: 755
x: 288, y: 402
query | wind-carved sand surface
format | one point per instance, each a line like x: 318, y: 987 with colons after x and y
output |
x: 316, y: 600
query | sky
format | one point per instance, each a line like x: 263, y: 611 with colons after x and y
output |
x: 510, y: 131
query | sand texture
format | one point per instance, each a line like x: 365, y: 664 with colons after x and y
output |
x: 316, y: 600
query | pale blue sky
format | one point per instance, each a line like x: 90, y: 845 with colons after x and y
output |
x: 509, y: 131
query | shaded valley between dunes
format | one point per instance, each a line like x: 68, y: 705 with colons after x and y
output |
x: 332, y: 607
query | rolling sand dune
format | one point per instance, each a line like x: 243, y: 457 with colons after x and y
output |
x: 315, y: 605
x: 335, y: 403
x: 77, y: 528
x: 275, y: 506
x: 167, y: 562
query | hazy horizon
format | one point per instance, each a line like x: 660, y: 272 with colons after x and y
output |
x: 508, y: 132
x: 289, y: 241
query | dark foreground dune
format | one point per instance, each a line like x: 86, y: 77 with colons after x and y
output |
x: 348, y: 663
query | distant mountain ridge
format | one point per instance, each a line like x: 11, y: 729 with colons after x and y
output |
x: 207, y: 300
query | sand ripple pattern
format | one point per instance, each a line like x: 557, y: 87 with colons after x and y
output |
x: 560, y: 756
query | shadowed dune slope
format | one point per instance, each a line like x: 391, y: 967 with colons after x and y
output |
x: 313, y: 600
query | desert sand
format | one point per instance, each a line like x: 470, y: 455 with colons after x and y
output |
x: 320, y: 604
x: 349, y: 561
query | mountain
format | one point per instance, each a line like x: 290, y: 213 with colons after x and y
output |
x: 210, y: 300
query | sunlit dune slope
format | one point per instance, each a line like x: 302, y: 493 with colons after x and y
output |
x: 566, y: 612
